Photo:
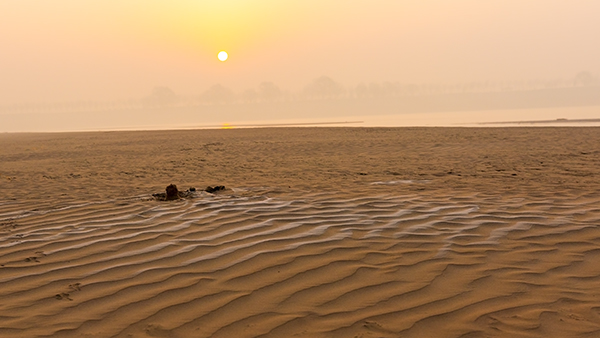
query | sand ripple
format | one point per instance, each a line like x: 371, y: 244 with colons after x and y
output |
x: 317, y: 265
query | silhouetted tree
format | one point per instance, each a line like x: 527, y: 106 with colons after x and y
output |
x: 362, y: 90
x: 583, y: 79
x: 323, y: 88
x: 217, y: 94
x: 161, y: 96
x: 375, y: 90
x: 390, y: 89
x: 249, y: 96
x: 412, y: 89
x: 268, y: 92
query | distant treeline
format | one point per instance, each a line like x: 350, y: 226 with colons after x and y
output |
x: 538, y: 92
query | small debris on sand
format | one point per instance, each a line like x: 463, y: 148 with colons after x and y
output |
x: 214, y: 189
x: 172, y: 193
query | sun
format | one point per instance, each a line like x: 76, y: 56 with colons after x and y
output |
x: 222, y: 55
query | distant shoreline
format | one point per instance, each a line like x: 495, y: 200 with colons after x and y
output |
x: 558, y: 120
x: 400, y: 110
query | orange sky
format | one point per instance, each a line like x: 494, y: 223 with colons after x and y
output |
x: 77, y: 50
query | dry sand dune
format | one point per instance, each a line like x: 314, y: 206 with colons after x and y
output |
x: 341, y: 232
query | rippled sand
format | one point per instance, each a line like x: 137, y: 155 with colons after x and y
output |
x: 343, y: 232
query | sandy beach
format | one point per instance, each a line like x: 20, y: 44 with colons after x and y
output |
x: 321, y: 232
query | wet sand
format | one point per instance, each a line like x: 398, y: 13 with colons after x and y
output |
x: 321, y: 232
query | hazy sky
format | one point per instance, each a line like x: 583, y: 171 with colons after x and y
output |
x: 107, y: 49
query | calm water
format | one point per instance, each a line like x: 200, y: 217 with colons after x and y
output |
x: 189, y: 119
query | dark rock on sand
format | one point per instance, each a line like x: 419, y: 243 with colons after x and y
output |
x: 214, y: 189
x: 172, y: 193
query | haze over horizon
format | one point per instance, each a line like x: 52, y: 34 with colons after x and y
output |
x: 68, y: 50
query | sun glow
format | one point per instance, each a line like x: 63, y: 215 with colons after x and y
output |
x: 222, y: 55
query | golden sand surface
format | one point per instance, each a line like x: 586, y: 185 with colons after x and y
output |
x: 321, y: 232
